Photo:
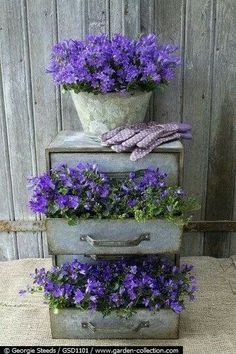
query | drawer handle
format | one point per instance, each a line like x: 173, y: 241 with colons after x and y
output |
x: 109, y: 243
x: 92, y: 328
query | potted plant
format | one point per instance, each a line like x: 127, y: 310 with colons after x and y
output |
x: 111, y: 80
x: 136, y: 215
x: 141, y: 298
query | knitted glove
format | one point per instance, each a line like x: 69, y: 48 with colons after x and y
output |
x: 139, y: 153
x: 121, y: 134
x: 139, y: 131
x: 144, y: 137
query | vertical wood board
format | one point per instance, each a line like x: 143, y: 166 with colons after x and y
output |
x: 8, y: 242
x: 18, y: 110
x: 147, y: 25
x: 199, y: 33
x: 222, y: 153
x: 125, y: 17
x: 169, y: 26
x: 41, y: 18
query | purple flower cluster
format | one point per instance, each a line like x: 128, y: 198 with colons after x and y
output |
x: 134, y: 192
x: 146, y: 282
x: 82, y: 189
x: 101, y: 65
x: 85, y: 192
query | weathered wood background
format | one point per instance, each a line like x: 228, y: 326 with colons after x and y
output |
x: 32, y: 111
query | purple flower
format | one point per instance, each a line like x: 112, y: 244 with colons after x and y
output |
x: 83, y: 191
x: 156, y: 292
x: 130, y: 282
x: 22, y: 292
x: 99, y: 64
x: 133, y: 269
x: 146, y: 279
x: 104, y: 191
x: 73, y: 201
x: 93, y: 298
x: 146, y: 302
x: 78, y: 297
x: 176, y: 307
x: 39, y: 204
x: 186, y: 267
x: 57, y: 292
x: 157, y: 306
x: 49, y: 286
x: 125, y: 189
x: 114, y: 298
x: 133, y: 283
x: 91, y: 285
x: 122, y: 290
x: 93, y: 302
x: 82, y: 187
x: 68, y: 289
x: 87, y: 206
x: 132, y: 295
x: 132, y: 202
x: 107, y: 273
x: 132, y: 175
x: 163, y: 194
x: 61, y: 201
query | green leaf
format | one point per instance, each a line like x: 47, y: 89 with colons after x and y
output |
x: 63, y: 190
x: 72, y: 221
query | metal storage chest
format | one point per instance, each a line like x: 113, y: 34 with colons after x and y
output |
x: 90, y: 240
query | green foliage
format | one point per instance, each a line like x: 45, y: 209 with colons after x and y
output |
x: 132, y: 87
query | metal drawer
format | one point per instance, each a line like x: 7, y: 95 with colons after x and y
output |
x: 72, y: 323
x: 72, y: 147
x: 99, y: 237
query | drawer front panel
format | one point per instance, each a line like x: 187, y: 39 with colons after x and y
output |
x: 94, y: 237
x: 76, y: 324
x: 110, y: 162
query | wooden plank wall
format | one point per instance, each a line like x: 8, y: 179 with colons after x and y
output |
x: 32, y: 110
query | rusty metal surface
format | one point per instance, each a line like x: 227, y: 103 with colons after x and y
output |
x: 211, y: 226
x: 22, y: 225
x: 193, y: 226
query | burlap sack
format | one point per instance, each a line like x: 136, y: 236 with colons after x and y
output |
x: 206, y: 326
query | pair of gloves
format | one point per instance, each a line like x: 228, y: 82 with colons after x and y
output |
x: 142, y: 138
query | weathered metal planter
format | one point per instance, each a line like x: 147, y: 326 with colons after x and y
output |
x: 97, y: 237
x: 102, y: 112
x: 71, y: 147
x: 72, y: 323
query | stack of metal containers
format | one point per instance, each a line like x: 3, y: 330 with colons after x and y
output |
x: 91, y: 240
